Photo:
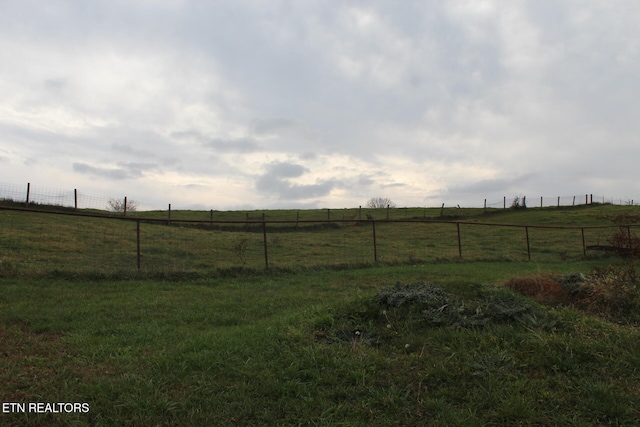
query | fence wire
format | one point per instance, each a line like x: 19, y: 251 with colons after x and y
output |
x: 41, y: 243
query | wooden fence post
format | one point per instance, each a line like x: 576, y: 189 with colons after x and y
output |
x: 169, y: 215
x: 124, y: 210
x: 584, y: 247
x: 75, y: 198
x: 28, y: 191
x: 526, y: 230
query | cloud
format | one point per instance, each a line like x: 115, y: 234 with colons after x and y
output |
x: 277, y: 181
x: 240, y: 145
x: 308, y: 103
x: 122, y: 172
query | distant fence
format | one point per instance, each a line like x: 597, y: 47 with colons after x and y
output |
x: 35, y: 242
x: 33, y: 196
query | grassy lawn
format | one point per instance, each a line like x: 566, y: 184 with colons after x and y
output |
x: 203, y: 335
x: 310, y: 348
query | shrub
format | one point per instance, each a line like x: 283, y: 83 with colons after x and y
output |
x: 519, y: 202
x: 380, y: 202
x: 612, y: 292
x: 117, y: 205
x: 623, y: 236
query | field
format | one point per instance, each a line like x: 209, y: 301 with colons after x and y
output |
x: 310, y: 346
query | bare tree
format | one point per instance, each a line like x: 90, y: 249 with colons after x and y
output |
x: 117, y: 205
x: 380, y: 202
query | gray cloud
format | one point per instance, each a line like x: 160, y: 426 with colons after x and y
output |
x: 130, y: 170
x: 241, y: 145
x: 436, y: 99
x: 276, y: 181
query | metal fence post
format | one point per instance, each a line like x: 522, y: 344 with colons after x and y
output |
x: 264, y: 239
x: 459, y: 240
x: 375, y: 245
x: 138, y: 244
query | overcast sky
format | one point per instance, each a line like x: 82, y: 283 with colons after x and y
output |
x: 321, y: 104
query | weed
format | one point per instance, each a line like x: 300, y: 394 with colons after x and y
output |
x: 240, y: 249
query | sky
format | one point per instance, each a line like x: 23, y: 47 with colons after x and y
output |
x: 245, y: 104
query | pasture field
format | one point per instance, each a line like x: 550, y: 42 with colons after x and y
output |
x: 306, y: 346
x: 37, y: 244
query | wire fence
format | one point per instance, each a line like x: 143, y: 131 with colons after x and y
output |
x: 30, y: 195
x: 35, y: 242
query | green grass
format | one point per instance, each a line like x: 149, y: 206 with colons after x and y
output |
x: 202, y: 336
x: 280, y: 349
x: 36, y: 244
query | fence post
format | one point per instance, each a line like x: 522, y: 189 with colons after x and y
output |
x: 264, y: 239
x: 504, y: 202
x: 211, y: 216
x: 375, y: 245
x: 125, y: 206
x: 459, y: 240
x: 584, y: 247
x: 540, y: 201
x: 485, y: 205
x: 558, y: 201
x: 388, y: 212
x: 574, y: 201
x: 328, y: 215
x: 586, y: 199
x: 138, y: 244
x: 526, y: 230
x: 28, y: 191
x: 359, y: 212
x: 75, y: 198
x: 169, y: 215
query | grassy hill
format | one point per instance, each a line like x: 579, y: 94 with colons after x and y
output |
x: 452, y: 344
x: 35, y: 243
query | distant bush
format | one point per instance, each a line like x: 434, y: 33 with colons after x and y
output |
x: 117, y: 205
x: 623, y: 237
x: 519, y: 202
x: 380, y: 202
